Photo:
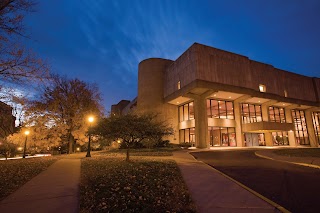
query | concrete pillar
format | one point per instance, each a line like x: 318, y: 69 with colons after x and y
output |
x: 201, y: 122
x: 291, y: 136
x: 265, y: 112
x: 268, y: 138
x: 310, y: 128
x: 265, y: 117
x: 237, y: 119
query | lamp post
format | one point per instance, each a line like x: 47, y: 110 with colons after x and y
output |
x: 25, y: 143
x: 90, y: 119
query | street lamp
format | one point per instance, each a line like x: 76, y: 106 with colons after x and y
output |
x: 90, y: 119
x: 25, y: 143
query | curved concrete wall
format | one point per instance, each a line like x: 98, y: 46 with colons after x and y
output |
x: 150, y: 93
x: 150, y: 83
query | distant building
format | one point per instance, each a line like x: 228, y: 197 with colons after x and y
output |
x: 117, y: 109
x: 214, y: 98
x: 7, y: 120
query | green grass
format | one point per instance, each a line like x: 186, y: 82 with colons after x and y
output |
x: 302, y: 152
x: 142, y: 185
x: 15, y: 173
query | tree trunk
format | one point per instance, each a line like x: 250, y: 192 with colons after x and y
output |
x: 127, y: 158
x: 71, y: 144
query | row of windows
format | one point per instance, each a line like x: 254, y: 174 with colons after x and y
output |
x: 280, y: 138
x: 277, y: 114
x: 316, y: 125
x: 220, y: 109
x: 222, y: 136
x: 300, y: 124
x: 187, y: 136
x: 251, y: 113
x: 186, y: 112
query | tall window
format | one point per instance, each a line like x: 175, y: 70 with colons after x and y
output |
x: 220, y: 109
x: 251, y: 113
x: 277, y: 114
x: 316, y: 124
x: 187, y: 136
x: 300, y: 124
x: 186, y: 112
x: 222, y: 136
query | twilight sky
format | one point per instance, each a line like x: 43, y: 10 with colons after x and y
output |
x: 102, y: 41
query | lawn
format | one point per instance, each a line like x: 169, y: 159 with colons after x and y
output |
x: 305, y: 152
x: 110, y: 184
x: 144, y: 152
x: 15, y: 173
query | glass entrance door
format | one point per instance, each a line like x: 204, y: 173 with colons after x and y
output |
x: 254, y: 139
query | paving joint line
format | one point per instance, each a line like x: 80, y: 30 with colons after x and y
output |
x: 295, y: 163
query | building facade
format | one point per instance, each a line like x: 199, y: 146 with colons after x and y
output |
x: 215, y: 98
x: 7, y: 120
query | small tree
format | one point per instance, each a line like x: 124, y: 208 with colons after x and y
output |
x: 132, y: 128
x: 7, y: 149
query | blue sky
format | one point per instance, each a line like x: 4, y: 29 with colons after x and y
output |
x: 102, y: 41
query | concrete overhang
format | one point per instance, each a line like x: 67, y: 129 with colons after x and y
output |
x: 265, y: 126
x: 200, y: 87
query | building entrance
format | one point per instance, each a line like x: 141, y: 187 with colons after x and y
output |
x: 254, y: 139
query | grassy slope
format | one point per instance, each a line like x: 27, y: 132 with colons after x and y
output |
x: 15, y: 173
x: 110, y: 184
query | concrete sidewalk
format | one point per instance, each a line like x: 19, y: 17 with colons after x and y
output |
x: 213, y: 192
x: 54, y: 190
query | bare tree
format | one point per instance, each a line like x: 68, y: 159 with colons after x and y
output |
x: 17, y: 64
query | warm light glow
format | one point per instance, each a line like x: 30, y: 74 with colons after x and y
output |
x: 262, y: 88
x: 27, y: 132
x: 78, y: 149
x: 229, y: 96
x: 90, y: 119
x: 119, y: 141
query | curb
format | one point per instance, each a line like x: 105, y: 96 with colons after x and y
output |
x: 296, y: 163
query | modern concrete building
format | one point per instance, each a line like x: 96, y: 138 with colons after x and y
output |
x: 212, y: 97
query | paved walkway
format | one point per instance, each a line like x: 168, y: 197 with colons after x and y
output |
x: 54, y: 190
x: 213, y: 192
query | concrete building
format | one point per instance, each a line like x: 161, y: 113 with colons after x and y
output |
x: 215, y: 98
x: 7, y: 120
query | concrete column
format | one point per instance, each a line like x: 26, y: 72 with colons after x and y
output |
x: 237, y: 119
x: 310, y: 128
x: 265, y: 117
x: 289, y: 119
x: 201, y: 122
x: 265, y: 112
x: 268, y: 138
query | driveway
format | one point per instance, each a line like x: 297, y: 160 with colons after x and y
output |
x: 297, y: 188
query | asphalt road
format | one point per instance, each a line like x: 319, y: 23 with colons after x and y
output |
x: 297, y: 188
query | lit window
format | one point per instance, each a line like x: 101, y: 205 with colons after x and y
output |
x: 179, y: 86
x: 262, y: 88
x: 285, y: 93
